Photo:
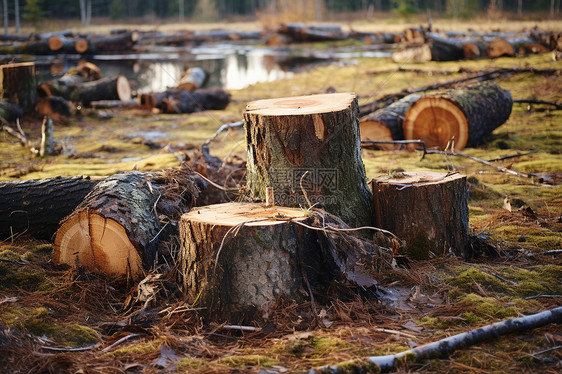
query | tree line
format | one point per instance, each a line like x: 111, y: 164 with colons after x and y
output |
x: 213, y: 10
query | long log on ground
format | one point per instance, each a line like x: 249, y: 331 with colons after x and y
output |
x: 18, y: 84
x: 428, y: 210
x: 448, y: 345
x: 54, y: 107
x: 35, y: 207
x: 73, y: 88
x: 40, y: 47
x: 432, y: 51
x: 239, y: 258
x: 120, y: 226
x: 386, y: 123
x: 315, y: 135
x: 122, y: 42
x: 299, y: 33
x: 183, y: 101
x: 61, y: 44
x: 157, y: 38
x: 15, y: 37
x: 218, y: 35
x: 469, y: 114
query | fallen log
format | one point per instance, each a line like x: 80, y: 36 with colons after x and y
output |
x: 219, y: 35
x: 61, y: 44
x: 35, y: 207
x: 300, y: 33
x: 73, y: 87
x: 183, y: 101
x: 447, y: 345
x: 308, y: 149
x: 467, y: 114
x: 428, y: 210
x: 40, y: 47
x: 386, y: 123
x: 54, y: 107
x: 18, y: 84
x: 432, y: 51
x: 98, y: 44
x: 120, y: 226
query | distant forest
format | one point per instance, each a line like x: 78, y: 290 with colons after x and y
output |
x: 214, y: 10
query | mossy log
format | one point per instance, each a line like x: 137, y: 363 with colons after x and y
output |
x: 120, y: 226
x: 315, y: 135
x: 35, y: 207
x: 237, y: 259
x: 428, y: 210
x: 18, y: 84
x: 184, y: 101
x: 469, y: 114
x: 386, y: 123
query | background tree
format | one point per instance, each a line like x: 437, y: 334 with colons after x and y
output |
x: 32, y: 12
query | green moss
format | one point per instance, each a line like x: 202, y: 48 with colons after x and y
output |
x: 483, y: 308
x: 465, y: 281
x: 248, y: 360
x: 189, y: 363
x: 437, y: 322
x: 359, y: 366
x: 141, y: 348
x: 544, y: 279
x: 15, y: 277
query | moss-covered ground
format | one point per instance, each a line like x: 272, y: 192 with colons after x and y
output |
x: 43, y: 308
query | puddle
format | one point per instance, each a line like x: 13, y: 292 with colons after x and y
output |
x: 230, y: 66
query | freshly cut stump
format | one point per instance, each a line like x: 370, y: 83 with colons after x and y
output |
x: 386, y: 123
x: 429, y: 210
x: 18, y: 84
x: 316, y: 135
x: 469, y: 114
x: 238, y: 258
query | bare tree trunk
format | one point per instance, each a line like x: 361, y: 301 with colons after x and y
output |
x: 551, y: 14
x: 17, y: 15
x: 6, y: 17
x: 88, y: 13
x: 83, y: 12
x: 519, y: 7
x: 181, y: 11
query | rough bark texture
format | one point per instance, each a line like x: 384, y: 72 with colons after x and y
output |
x: 258, y: 262
x: 184, y: 101
x: 36, y: 207
x: 118, y: 227
x: 317, y: 134
x: 390, y: 119
x: 427, y: 209
x: 469, y: 114
x: 18, y: 85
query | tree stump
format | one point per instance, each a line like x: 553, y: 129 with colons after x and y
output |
x: 427, y: 209
x: 18, y: 84
x: 386, y: 123
x: 117, y: 228
x: 240, y: 257
x: 469, y: 114
x: 308, y: 149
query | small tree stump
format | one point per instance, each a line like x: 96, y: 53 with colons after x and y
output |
x: 18, y: 84
x: 427, y: 209
x: 240, y: 257
x: 315, y: 135
x: 468, y: 113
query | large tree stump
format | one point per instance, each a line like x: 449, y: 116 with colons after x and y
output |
x: 468, y: 114
x: 35, y: 207
x: 18, y: 84
x: 240, y: 257
x: 118, y: 227
x: 427, y: 209
x: 314, y: 135
x: 386, y: 123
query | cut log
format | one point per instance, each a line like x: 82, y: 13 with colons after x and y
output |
x: 40, y: 47
x: 193, y: 79
x: 428, y: 210
x: 474, y: 50
x: 183, y: 101
x: 315, y: 135
x: 74, y: 88
x: 18, y: 85
x: 386, y: 123
x: 122, y: 42
x: 81, y: 45
x: 299, y: 33
x: 239, y: 258
x: 218, y: 35
x: 61, y: 44
x: 468, y: 114
x: 118, y: 227
x: 35, y: 207
x: 432, y: 51
x: 500, y: 47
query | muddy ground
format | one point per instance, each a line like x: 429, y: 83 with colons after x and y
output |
x: 56, y: 319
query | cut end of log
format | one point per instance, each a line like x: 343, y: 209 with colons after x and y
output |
x: 500, y: 47
x: 89, y: 240
x: 299, y: 105
x: 81, y: 45
x: 436, y: 121
x: 123, y: 88
x: 55, y: 43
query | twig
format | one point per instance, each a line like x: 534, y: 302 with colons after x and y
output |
x: 500, y: 168
x: 120, y: 341
x: 241, y: 328
x: 448, y: 345
x: 333, y: 228
x: 417, y: 141
x: 553, y: 252
x: 542, y: 102
x: 540, y: 296
x: 80, y: 349
x: 224, y: 128
x: 215, y: 184
x: 396, y: 332
x: 512, y: 156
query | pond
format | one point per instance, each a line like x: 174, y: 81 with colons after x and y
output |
x: 230, y: 66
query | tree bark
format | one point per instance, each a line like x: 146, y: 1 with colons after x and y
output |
x: 183, y: 101
x: 427, y: 209
x: 431, y: 51
x: 122, y: 42
x: 314, y: 135
x: 118, y: 227
x: 18, y: 85
x: 386, y: 123
x: 73, y: 87
x: 35, y: 207
x: 54, y: 107
x: 468, y: 114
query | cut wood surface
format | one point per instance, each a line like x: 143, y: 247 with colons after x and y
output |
x: 469, y: 114
x: 118, y: 227
x: 35, y: 207
x: 386, y: 123
x: 18, y: 84
x: 427, y: 209
x: 193, y: 79
x: 316, y: 135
